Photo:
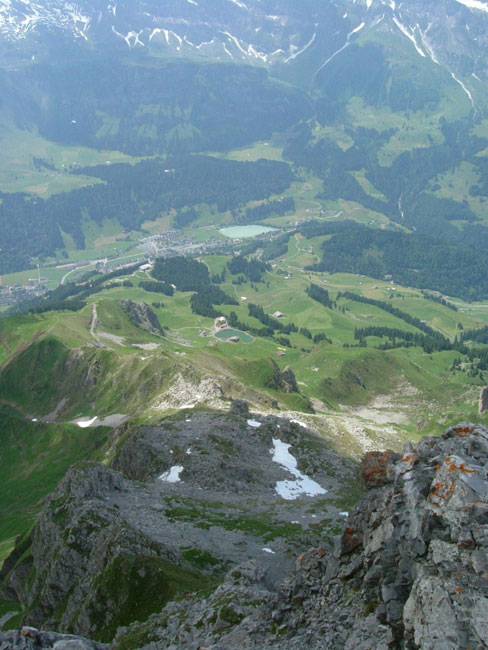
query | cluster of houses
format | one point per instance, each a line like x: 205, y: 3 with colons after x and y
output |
x: 173, y: 243
x: 14, y: 294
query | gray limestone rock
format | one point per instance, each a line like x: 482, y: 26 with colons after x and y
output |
x: 182, y: 504
x: 408, y: 571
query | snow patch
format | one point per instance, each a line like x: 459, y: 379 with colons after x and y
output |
x: 86, y: 423
x: 409, y: 33
x: 239, y: 4
x: 293, y: 56
x: 464, y: 87
x: 302, y: 485
x: 356, y: 30
x: 172, y: 475
x: 474, y: 4
x: 254, y: 424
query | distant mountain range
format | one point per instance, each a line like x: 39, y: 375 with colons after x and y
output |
x: 384, y: 102
x: 451, y: 33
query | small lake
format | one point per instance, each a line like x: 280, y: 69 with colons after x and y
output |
x: 245, y: 232
x: 225, y: 335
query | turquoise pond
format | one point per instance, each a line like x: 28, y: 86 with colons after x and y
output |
x: 245, y: 232
x: 225, y: 335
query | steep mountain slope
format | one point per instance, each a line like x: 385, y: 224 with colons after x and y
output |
x: 407, y: 571
x: 182, y: 503
x: 258, y: 32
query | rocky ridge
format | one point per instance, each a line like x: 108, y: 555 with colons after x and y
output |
x: 408, y: 571
x: 181, y: 504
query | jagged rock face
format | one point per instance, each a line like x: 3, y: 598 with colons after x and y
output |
x: 283, y: 380
x: 182, y: 503
x: 409, y: 571
x: 142, y: 316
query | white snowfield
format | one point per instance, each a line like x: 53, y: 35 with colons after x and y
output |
x: 302, y: 485
x: 172, y: 475
x: 474, y: 4
x: 86, y: 423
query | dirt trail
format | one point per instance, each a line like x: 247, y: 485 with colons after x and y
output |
x: 94, y: 321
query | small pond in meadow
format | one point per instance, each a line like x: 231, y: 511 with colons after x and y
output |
x: 225, y: 335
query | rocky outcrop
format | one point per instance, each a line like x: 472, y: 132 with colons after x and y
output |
x: 283, y: 380
x: 142, y: 316
x: 410, y: 569
x: 182, y: 503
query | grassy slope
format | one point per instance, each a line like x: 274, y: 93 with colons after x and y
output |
x: 37, y: 368
x: 34, y: 458
x: 18, y: 172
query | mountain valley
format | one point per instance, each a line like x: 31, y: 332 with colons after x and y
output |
x: 243, y: 310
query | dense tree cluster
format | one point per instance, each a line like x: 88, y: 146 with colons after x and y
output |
x: 253, y: 269
x: 400, y: 338
x: 477, y: 336
x: 72, y: 296
x: 234, y: 322
x: 257, y: 312
x: 188, y: 274
x: 439, y: 300
x: 184, y: 218
x: 163, y: 106
x: 202, y: 302
x: 185, y: 273
x: 321, y: 295
x: 277, y: 207
x: 398, y: 313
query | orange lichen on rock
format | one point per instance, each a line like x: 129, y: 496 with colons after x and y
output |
x: 442, y: 490
x: 463, y: 431
x: 410, y: 459
x: 452, y: 466
x: 350, y: 541
x: 376, y: 468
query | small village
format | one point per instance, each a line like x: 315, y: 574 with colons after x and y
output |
x: 14, y: 294
x: 171, y: 243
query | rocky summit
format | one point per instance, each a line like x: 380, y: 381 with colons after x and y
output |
x: 179, y: 505
x: 409, y: 568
